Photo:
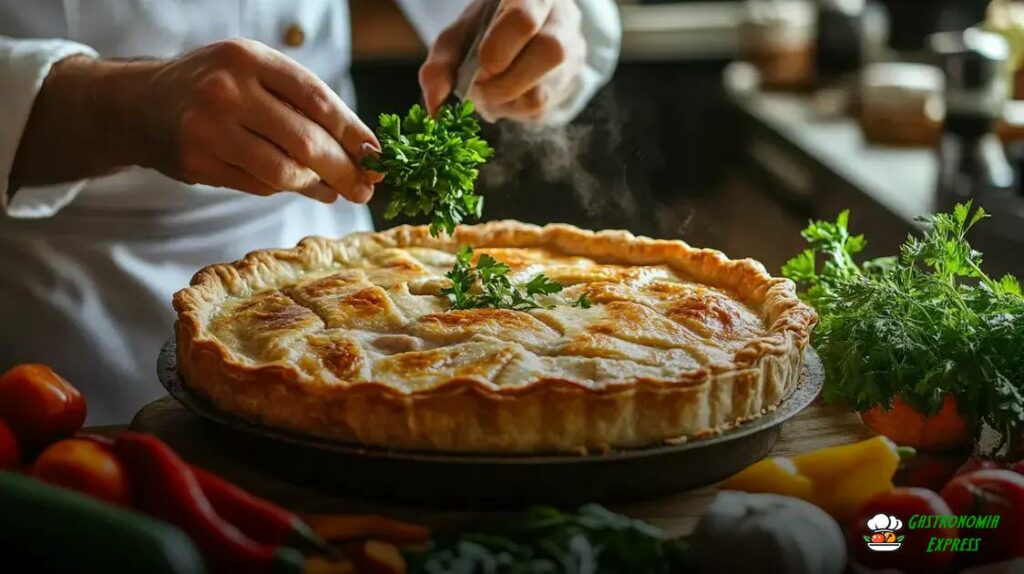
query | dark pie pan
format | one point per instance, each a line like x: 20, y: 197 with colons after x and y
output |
x: 479, y: 481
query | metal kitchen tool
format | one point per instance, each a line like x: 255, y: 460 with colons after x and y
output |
x: 471, y: 63
x: 973, y: 163
x: 468, y: 480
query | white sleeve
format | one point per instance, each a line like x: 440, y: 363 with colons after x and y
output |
x: 431, y: 17
x: 603, y: 33
x: 601, y: 29
x: 24, y: 64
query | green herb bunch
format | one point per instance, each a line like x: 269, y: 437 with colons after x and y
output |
x: 496, y: 290
x: 917, y: 326
x: 430, y: 164
x: 548, y: 541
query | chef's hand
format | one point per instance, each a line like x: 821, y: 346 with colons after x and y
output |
x: 529, y: 58
x: 245, y: 116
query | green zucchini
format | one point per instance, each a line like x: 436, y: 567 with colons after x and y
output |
x: 45, y: 528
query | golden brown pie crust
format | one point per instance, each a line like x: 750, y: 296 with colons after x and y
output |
x: 468, y: 411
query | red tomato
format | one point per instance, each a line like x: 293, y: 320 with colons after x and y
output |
x: 991, y: 492
x: 1018, y: 467
x: 879, y: 537
x: 85, y: 466
x: 975, y: 463
x: 39, y: 405
x: 10, y: 452
x: 913, y: 556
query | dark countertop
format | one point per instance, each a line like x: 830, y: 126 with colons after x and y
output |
x: 818, y: 161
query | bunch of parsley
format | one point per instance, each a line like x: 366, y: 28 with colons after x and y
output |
x: 546, y: 541
x: 430, y: 164
x: 496, y: 290
x: 917, y: 326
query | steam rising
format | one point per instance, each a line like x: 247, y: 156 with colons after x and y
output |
x: 560, y: 152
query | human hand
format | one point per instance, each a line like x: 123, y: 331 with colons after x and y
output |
x: 529, y: 58
x: 239, y: 114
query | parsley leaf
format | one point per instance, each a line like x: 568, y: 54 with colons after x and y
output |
x: 495, y: 289
x: 583, y: 302
x: 430, y: 164
x: 546, y: 540
x: 918, y: 326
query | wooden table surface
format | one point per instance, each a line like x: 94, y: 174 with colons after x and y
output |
x: 818, y: 426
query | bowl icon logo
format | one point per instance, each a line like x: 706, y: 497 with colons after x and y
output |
x: 883, y: 533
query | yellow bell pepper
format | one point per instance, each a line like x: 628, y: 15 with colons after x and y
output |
x: 839, y: 479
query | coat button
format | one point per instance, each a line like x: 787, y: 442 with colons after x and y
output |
x: 294, y: 36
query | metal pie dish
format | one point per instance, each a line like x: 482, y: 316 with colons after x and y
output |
x: 492, y: 481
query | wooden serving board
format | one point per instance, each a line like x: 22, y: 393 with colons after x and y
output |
x: 816, y: 427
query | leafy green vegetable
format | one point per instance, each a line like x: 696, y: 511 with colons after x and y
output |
x: 496, y: 290
x: 430, y: 164
x: 918, y: 326
x: 593, y: 540
x: 583, y: 302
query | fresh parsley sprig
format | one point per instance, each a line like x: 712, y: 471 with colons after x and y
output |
x: 496, y: 290
x: 918, y: 326
x: 592, y: 539
x: 430, y: 164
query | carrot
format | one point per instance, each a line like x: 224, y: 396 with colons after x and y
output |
x: 375, y: 557
x: 352, y: 527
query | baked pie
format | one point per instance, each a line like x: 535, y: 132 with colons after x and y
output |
x: 353, y: 339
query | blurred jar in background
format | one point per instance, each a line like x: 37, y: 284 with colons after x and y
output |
x: 778, y: 37
x: 901, y: 104
x: 1006, y: 18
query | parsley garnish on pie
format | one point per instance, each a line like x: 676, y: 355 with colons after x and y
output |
x: 496, y: 290
x: 430, y: 164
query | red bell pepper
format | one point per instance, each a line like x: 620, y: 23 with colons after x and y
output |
x: 166, y: 487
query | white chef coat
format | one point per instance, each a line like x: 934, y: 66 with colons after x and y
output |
x: 87, y: 269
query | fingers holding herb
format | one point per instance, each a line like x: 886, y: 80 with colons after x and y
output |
x: 430, y: 164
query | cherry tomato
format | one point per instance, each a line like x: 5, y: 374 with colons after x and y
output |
x: 39, y: 405
x: 993, y: 491
x: 10, y: 452
x: 913, y: 555
x: 85, y: 466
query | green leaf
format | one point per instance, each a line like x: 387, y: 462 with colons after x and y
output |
x: 1009, y: 285
x: 900, y: 538
x: 430, y: 164
x: 493, y: 287
x: 541, y: 285
x: 583, y: 302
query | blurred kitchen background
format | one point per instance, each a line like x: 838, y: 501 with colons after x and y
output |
x: 730, y: 124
